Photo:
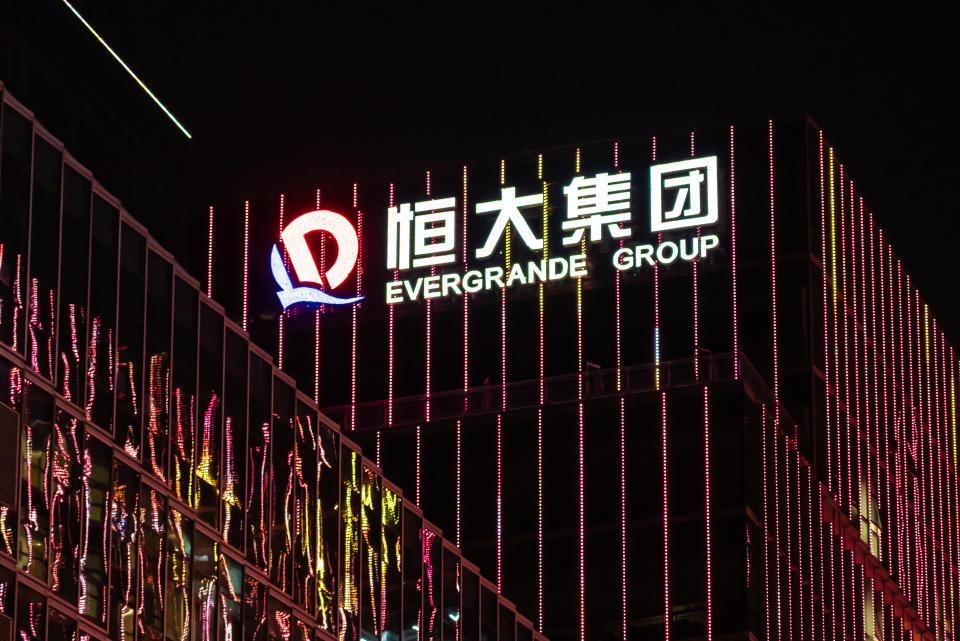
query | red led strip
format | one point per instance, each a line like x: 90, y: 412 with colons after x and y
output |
x: 280, y: 315
x: 666, y: 530
x: 733, y: 257
x: 354, y: 328
x: 580, y: 448
x: 246, y: 260
x: 696, y: 311
x: 623, y: 435
x: 316, y: 335
x: 210, y: 255
x: 390, y: 339
x: 466, y: 351
x: 707, y: 509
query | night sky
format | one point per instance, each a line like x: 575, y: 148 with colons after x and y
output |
x: 292, y: 96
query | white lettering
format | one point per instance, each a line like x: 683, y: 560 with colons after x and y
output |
x: 644, y: 253
x: 708, y: 243
x: 674, y: 251
x: 493, y: 275
x: 623, y: 259
x: 688, y: 255
x: 431, y: 286
x: 451, y: 281
x: 516, y: 273
x: 414, y: 292
x: 536, y: 272
x: 578, y: 266
x: 394, y: 292
x: 472, y: 281
x: 558, y: 268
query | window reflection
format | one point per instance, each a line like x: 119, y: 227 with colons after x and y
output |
x: 34, y: 506
x: 93, y: 540
x: 305, y: 508
x: 44, y: 255
x: 65, y: 505
x: 235, y: 440
x: 15, y: 153
x: 328, y: 529
x: 74, y: 250
x: 282, y: 522
x: 130, y: 325
x: 124, y: 555
x: 184, y: 423
x: 258, y: 463
x: 210, y: 371
x: 159, y: 303
x: 98, y: 401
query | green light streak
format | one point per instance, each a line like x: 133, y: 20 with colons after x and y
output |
x: 128, y: 69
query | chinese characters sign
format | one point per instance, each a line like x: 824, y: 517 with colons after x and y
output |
x: 423, y: 235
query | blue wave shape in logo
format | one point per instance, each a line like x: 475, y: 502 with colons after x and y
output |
x: 290, y: 295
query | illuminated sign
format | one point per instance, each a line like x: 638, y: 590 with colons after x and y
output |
x: 597, y: 207
x: 295, y: 241
x: 684, y: 180
x: 421, y: 235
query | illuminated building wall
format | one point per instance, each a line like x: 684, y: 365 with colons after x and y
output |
x: 762, y: 442
x: 161, y: 477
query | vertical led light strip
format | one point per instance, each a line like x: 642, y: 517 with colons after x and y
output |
x: 210, y: 254
x: 316, y: 334
x: 390, y: 341
x: 666, y: 518
x: 826, y: 331
x: 542, y: 400
x: 580, y: 442
x: 696, y: 311
x: 466, y: 351
x: 246, y: 261
x: 503, y: 390
x: 623, y: 437
x: 733, y: 257
x: 428, y: 335
x: 354, y: 321
x: 773, y: 284
x: 656, y: 294
x: 766, y: 519
x: 706, y: 476
x: 280, y: 316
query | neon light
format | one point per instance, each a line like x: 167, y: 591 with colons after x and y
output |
x: 210, y: 255
x: 348, y: 246
x: 666, y: 541
x: 706, y: 476
x: 773, y: 282
x: 246, y: 260
x: 580, y: 439
x: 542, y: 399
x: 128, y: 70
x: 733, y: 257
x: 623, y: 431
x: 279, y: 272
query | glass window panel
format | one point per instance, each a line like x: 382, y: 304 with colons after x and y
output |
x: 391, y: 540
x: 11, y: 388
x: 470, y: 606
x: 301, y: 631
x: 524, y: 632
x: 259, y: 469
x: 124, y: 524
x: 305, y: 498
x: 451, y: 596
x: 282, y: 523
x: 371, y: 594
x: 34, y: 474
x: 205, y: 587
x: 15, y: 155
x: 8, y: 584
x: 328, y: 539
x: 254, y: 610
x: 74, y: 250
x: 412, y: 576
x: 31, y: 615
x: 488, y: 614
x: 210, y: 377
x: 508, y: 624
x: 98, y: 395
x: 278, y: 619
x: 432, y: 584
x: 61, y: 627
x: 152, y: 576
x: 130, y: 321
x: 184, y: 420
x: 230, y: 585
x: 350, y: 543
x: 235, y: 440
x: 66, y: 469
x: 159, y: 309
x: 179, y: 575
x: 44, y: 255
x: 95, y: 486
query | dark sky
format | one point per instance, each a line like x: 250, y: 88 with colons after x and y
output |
x: 282, y: 95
